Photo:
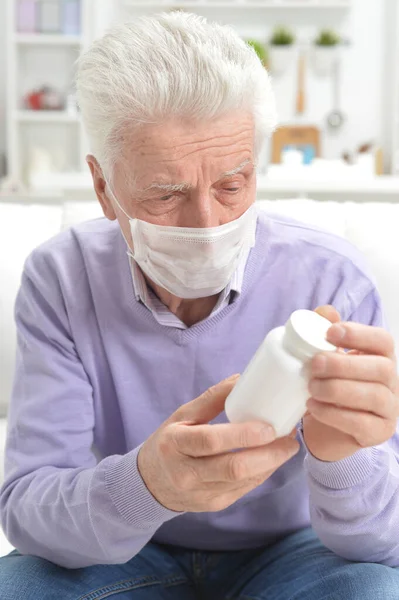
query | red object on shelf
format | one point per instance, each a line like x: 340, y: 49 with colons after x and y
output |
x: 34, y: 100
x: 45, y: 98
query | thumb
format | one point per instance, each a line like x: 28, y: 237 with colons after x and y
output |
x: 207, y: 406
x: 329, y: 312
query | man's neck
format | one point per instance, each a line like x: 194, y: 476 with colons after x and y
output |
x: 189, y: 312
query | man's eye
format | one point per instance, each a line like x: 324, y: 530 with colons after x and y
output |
x: 232, y: 189
x: 166, y: 198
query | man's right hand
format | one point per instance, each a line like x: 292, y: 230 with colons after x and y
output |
x: 189, y: 465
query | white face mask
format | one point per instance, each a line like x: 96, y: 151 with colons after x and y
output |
x: 191, y: 263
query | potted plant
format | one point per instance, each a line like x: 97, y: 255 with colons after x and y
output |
x: 260, y: 50
x: 281, y: 49
x: 325, y: 52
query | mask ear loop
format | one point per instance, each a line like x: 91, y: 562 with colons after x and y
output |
x: 129, y: 251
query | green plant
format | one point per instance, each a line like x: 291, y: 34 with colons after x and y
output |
x: 282, y: 36
x: 260, y: 50
x: 327, y: 37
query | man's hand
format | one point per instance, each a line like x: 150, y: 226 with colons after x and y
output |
x: 355, y: 395
x: 189, y: 465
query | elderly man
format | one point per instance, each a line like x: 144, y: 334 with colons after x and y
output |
x: 123, y: 477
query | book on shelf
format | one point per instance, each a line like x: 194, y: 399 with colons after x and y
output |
x: 48, y: 16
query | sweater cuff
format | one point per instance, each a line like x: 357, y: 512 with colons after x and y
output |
x: 131, y: 497
x: 341, y: 474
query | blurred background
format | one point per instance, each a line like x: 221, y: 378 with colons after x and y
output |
x: 334, y: 63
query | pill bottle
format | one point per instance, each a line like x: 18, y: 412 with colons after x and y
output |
x: 274, y: 386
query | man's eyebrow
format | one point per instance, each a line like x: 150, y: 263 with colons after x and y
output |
x: 168, y: 187
x: 184, y: 186
x: 237, y: 169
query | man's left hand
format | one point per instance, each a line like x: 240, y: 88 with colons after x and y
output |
x: 354, y: 400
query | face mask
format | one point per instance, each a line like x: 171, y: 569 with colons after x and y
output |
x: 191, y: 263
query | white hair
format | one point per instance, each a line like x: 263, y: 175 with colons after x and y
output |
x: 165, y: 65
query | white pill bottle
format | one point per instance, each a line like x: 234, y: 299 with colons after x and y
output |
x: 274, y: 386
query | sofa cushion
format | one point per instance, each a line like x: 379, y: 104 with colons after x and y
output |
x: 325, y: 215
x: 373, y: 228
x: 77, y: 212
x: 22, y: 228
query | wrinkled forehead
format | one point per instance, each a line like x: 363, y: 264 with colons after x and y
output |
x: 174, y: 150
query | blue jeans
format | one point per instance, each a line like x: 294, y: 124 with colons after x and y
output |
x: 298, y: 567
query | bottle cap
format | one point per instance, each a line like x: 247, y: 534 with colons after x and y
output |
x: 305, y: 334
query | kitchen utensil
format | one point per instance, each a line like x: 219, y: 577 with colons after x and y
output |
x: 301, y: 94
x: 336, y: 118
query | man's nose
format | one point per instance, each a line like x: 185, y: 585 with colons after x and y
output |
x: 203, y: 212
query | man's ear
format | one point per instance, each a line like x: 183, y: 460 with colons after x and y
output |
x: 100, y: 187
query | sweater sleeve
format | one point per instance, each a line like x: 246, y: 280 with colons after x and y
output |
x: 354, y: 503
x: 56, y: 501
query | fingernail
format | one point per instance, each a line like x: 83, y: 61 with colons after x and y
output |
x: 336, y: 334
x: 319, y: 364
x: 233, y: 377
x: 314, y: 386
x: 267, y: 433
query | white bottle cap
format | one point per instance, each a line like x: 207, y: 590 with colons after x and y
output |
x: 305, y: 334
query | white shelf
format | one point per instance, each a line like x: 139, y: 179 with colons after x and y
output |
x: 243, y: 4
x: 45, y: 116
x: 368, y: 186
x: 37, y: 39
x: 80, y: 186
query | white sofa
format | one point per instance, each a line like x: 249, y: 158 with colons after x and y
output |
x: 373, y: 227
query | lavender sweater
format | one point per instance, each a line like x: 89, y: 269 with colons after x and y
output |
x: 97, y: 374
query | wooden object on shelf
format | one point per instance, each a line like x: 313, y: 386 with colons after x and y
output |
x: 301, y: 93
x: 379, y: 162
x: 303, y: 137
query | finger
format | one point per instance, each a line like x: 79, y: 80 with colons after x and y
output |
x: 208, y: 440
x: 214, y: 496
x: 220, y: 496
x: 240, y: 488
x: 366, y: 428
x: 358, y: 367
x: 227, y: 498
x: 238, y: 467
x: 328, y: 312
x: 364, y: 338
x: 372, y: 397
x: 207, y: 406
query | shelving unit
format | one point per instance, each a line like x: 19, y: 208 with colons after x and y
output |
x: 38, y: 59
x: 45, y: 116
x: 41, y: 39
x: 34, y: 60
